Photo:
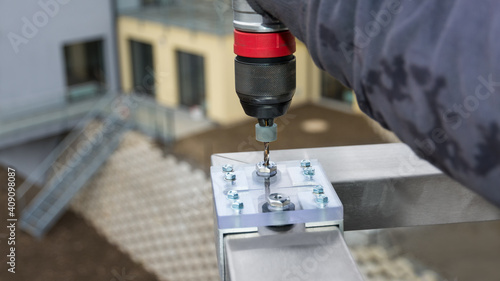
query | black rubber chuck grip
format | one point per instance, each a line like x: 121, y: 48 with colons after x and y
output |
x: 265, y: 86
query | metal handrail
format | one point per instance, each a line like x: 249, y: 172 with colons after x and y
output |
x: 385, y: 186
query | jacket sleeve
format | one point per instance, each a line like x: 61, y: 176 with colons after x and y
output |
x: 427, y: 70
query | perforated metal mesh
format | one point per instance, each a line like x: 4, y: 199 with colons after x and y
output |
x: 154, y: 208
x: 377, y: 264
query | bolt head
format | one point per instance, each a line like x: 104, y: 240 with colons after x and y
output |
x: 233, y: 195
x: 318, y: 190
x: 279, y: 200
x: 227, y: 168
x: 309, y: 171
x: 230, y: 176
x: 266, y: 171
x: 237, y: 205
x: 322, y: 199
x: 305, y: 163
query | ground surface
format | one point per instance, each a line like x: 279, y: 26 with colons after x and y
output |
x: 72, y: 250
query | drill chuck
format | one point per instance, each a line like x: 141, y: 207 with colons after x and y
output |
x: 265, y: 86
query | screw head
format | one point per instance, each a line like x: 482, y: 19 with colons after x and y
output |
x: 309, y: 171
x: 322, y: 200
x: 230, y: 176
x: 305, y: 163
x: 317, y: 190
x: 227, y: 168
x: 233, y: 195
x: 237, y: 205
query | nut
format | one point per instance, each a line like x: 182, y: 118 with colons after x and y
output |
x: 230, y: 176
x: 266, y: 171
x: 279, y: 201
x: 318, y: 190
x: 233, y: 195
x: 237, y: 205
x: 309, y: 171
x: 305, y: 163
x: 227, y: 168
x: 321, y: 200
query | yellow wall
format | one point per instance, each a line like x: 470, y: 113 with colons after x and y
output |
x: 221, y: 100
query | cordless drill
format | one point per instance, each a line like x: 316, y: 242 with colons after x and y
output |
x: 264, y: 69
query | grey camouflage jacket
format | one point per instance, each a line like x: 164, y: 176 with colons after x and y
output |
x: 428, y: 70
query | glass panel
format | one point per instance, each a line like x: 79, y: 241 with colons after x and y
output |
x: 191, y: 73
x: 142, y: 67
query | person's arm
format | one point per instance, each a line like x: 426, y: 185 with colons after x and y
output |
x: 427, y: 70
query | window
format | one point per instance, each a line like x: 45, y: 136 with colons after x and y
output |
x: 191, y: 73
x: 84, y: 63
x: 331, y: 88
x: 143, y: 78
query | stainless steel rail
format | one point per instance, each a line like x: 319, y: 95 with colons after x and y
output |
x: 311, y: 254
x: 385, y: 185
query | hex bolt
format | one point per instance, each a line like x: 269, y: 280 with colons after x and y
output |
x: 309, y: 172
x: 318, y: 190
x: 278, y: 202
x: 305, y: 163
x: 321, y: 200
x: 263, y: 170
x: 227, y: 168
x: 237, y: 205
x: 230, y: 176
x: 233, y: 195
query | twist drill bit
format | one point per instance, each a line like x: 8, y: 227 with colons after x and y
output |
x: 266, y: 154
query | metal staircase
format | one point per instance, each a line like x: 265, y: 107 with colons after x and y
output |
x: 45, y: 195
x: 50, y: 203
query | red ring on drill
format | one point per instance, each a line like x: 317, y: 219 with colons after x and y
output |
x: 264, y: 45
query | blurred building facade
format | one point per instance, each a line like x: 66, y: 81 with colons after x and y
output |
x: 54, y: 54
